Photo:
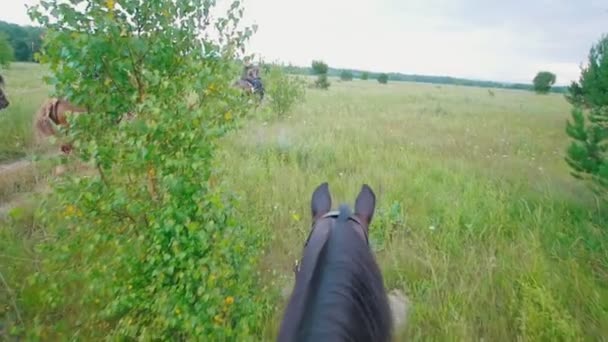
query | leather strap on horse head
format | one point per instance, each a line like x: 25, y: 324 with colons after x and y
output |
x: 331, y: 214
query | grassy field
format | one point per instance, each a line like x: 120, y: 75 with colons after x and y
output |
x: 26, y: 92
x: 478, y: 220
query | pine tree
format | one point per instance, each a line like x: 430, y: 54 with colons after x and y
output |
x: 587, y: 154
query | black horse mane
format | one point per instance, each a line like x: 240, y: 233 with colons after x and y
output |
x: 345, y: 299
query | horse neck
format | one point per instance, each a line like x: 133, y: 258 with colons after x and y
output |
x: 341, y: 292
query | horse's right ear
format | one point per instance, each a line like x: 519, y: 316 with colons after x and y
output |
x: 320, y: 203
x: 365, y: 204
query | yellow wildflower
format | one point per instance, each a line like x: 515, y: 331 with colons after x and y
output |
x: 229, y: 300
x: 228, y: 116
x: 69, y: 210
x: 218, y: 319
x: 110, y: 4
x: 295, y: 217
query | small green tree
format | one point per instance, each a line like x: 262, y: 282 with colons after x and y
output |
x: 383, y: 78
x: 587, y: 154
x: 543, y: 81
x: 6, y: 51
x: 283, y: 90
x: 320, y: 69
x: 346, y: 75
x: 365, y: 75
x: 149, y: 247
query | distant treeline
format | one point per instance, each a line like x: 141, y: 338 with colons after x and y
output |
x: 426, y: 79
x: 25, y: 40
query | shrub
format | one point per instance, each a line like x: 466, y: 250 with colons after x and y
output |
x: 383, y: 78
x: 284, y: 91
x: 320, y: 69
x: 322, y: 82
x: 365, y: 75
x: 6, y: 51
x: 148, y: 247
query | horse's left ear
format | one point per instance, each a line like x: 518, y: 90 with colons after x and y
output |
x: 365, y: 204
x: 320, y: 203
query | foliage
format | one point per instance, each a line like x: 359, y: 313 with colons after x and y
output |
x: 319, y: 67
x: 6, y: 51
x: 543, y: 81
x: 346, y: 75
x: 365, y: 76
x: 387, y: 222
x: 148, y: 247
x: 321, y: 82
x: 539, y: 316
x: 283, y: 90
x: 586, y: 154
x: 394, y: 76
x: 382, y: 78
x: 470, y: 248
x: 588, y: 129
x: 592, y: 88
x: 25, y: 40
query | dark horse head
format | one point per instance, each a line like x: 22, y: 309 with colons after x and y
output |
x: 3, y: 100
x: 339, y: 293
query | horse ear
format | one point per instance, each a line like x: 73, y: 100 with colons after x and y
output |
x: 320, y: 203
x: 365, y: 204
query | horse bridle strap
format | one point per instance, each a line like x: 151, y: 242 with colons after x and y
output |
x: 331, y: 214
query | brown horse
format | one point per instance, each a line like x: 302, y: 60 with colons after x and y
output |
x: 52, y: 113
x: 3, y: 100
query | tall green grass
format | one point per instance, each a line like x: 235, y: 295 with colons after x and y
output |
x: 478, y: 220
x: 26, y: 92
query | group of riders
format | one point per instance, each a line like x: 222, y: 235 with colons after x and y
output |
x: 52, y: 112
x: 250, y: 78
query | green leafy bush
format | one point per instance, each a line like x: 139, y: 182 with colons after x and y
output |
x: 320, y: 69
x: 284, y: 91
x: 383, y: 78
x: 149, y: 245
x: 6, y: 51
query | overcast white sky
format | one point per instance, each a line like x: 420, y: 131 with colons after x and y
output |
x: 502, y: 40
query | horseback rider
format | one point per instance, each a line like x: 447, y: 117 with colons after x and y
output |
x: 251, y: 74
x: 3, y: 100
